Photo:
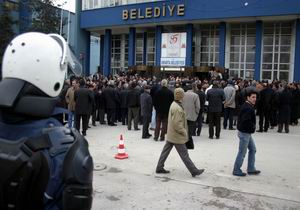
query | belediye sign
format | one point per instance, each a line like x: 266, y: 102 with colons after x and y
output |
x: 154, y: 12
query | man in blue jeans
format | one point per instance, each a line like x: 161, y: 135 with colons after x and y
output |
x: 246, y: 126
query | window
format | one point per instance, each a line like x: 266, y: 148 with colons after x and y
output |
x: 151, y: 48
x: 139, y: 49
x: 119, y: 53
x: 276, y: 52
x: 242, y: 51
x: 206, y: 46
x: 94, y: 4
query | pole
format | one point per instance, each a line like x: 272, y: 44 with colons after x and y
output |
x: 69, y: 21
x: 61, y: 20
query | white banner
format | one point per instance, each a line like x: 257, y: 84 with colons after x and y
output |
x: 173, y: 49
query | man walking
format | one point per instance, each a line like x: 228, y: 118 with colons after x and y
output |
x: 177, y: 136
x: 246, y: 126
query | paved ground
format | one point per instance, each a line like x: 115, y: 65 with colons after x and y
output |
x: 132, y: 183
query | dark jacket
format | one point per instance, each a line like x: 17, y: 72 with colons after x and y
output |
x: 215, y: 98
x: 163, y: 99
x: 246, y: 119
x: 124, y: 98
x: 111, y: 97
x: 284, y: 106
x: 265, y: 99
x: 83, y: 98
x: 133, y: 99
x: 146, y: 104
x: 201, y: 95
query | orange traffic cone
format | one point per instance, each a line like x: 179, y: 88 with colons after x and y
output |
x: 121, y: 150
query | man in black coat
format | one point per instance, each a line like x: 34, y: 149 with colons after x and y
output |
x: 284, y: 109
x: 215, y: 97
x: 111, y: 99
x: 123, y: 104
x: 133, y: 101
x: 201, y: 95
x: 265, y: 101
x: 83, y: 98
x: 163, y: 99
x: 146, y: 111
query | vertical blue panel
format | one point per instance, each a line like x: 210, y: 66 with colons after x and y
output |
x: 25, y: 16
x: 297, y: 53
x: 158, y: 32
x: 107, y: 52
x: 101, y: 52
x: 222, y: 44
x: 87, y: 53
x: 258, y: 42
x: 131, y: 47
x: 189, y: 45
x: 145, y: 49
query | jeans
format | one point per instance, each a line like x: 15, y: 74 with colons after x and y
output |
x: 228, y: 115
x: 246, y: 141
x: 153, y: 119
x: 71, y: 119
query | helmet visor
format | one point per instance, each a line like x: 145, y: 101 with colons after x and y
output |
x: 73, y: 63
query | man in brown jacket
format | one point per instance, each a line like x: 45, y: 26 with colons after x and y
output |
x: 71, y: 102
x: 177, y: 135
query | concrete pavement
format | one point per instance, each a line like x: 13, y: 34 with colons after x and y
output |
x: 133, y: 184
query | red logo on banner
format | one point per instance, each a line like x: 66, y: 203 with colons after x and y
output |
x: 174, y: 39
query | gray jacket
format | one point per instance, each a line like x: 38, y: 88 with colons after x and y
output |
x: 191, y: 105
x: 229, y: 96
x: 146, y: 104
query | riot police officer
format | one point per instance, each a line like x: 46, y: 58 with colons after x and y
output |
x: 44, y: 165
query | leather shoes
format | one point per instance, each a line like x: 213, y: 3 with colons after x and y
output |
x: 239, y: 174
x: 137, y: 129
x: 256, y: 172
x: 162, y: 171
x: 197, y: 173
x: 145, y: 137
x: 231, y: 129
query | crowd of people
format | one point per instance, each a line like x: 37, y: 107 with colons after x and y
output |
x: 146, y: 101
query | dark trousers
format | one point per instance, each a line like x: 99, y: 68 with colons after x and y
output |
x: 94, y: 115
x: 101, y: 113
x: 264, y: 120
x: 84, y: 118
x: 124, y: 116
x: 111, y: 115
x: 228, y: 115
x: 191, y: 128
x: 286, y: 127
x: 161, y: 122
x: 214, y: 121
x: 133, y: 113
x: 183, y: 153
x: 146, y: 121
x: 199, y: 123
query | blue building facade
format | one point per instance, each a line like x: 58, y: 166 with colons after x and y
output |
x: 253, y: 39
